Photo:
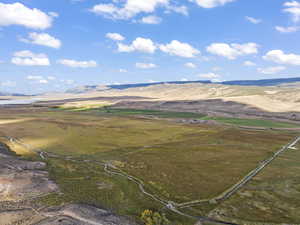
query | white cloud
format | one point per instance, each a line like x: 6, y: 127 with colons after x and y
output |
x: 130, y: 9
x: 28, y: 58
x: 151, y: 20
x: 109, y: 9
x: 43, y: 81
x: 190, y: 65
x: 139, y: 44
x: 78, y: 64
x: 253, y: 20
x: 271, y: 70
x: 211, y: 3
x: 184, y: 79
x: 293, y: 8
x: 42, y: 39
x: 290, y: 29
x: 145, y: 65
x: 32, y: 77
x: 209, y: 75
x: 115, y: 36
x: 53, y: 14
x: 40, y: 79
x: 123, y: 71
x: 178, y: 9
x: 18, y: 14
x: 278, y: 56
x: 232, y: 51
x: 179, y: 49
x: 249, y: 63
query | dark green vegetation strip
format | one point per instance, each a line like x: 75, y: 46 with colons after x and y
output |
x: 158, y: 113
x: 188, y: 115
x: 146, y: 112
x: 253, y: 122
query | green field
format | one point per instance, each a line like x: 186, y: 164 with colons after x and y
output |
x: 141, y: 112
x: 176, y: 162
x: 253, y: 122
x: 190, y: 115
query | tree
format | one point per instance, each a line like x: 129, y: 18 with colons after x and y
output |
x: 154, y: 218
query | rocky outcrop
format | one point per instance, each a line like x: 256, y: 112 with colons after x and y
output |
x: 22, y: 181
x: 78, y: 214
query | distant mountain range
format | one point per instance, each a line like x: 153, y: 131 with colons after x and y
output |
x: 11, y: 94
x: 262, y: 83
x: 265, y: 82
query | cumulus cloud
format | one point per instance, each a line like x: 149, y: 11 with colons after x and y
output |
x: 130, y: 8
x: 249, y: 63
x: 42, y: 39
x: 115, y: 36
x: 28, y: 58
x: 253, y: 20
x: 271, y: 70
x: 139, y: 45
x: 19, y: 14
x: 211, y: 3
x: 78, y: 64
x: 293, y: 8
x: 148, y: 46
x: 290, y: 29
x: 232, y: 51
x: 145, y: 65
x: 151, y: 20
x: 190, y: 65
x: 209, y: 75
x: 179, y: 49
x: 278, y: 56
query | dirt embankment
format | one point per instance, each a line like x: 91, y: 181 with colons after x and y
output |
x: 22, y: 182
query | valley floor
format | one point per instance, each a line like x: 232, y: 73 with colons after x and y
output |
x: 175, y: 162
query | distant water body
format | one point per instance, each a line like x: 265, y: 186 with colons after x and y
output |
x: 18, y: 102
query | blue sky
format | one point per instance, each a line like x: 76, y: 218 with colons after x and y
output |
x: 53, y: 45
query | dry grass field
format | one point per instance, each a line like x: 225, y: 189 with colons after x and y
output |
x: 273, y: 197
x: 177, y: 162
